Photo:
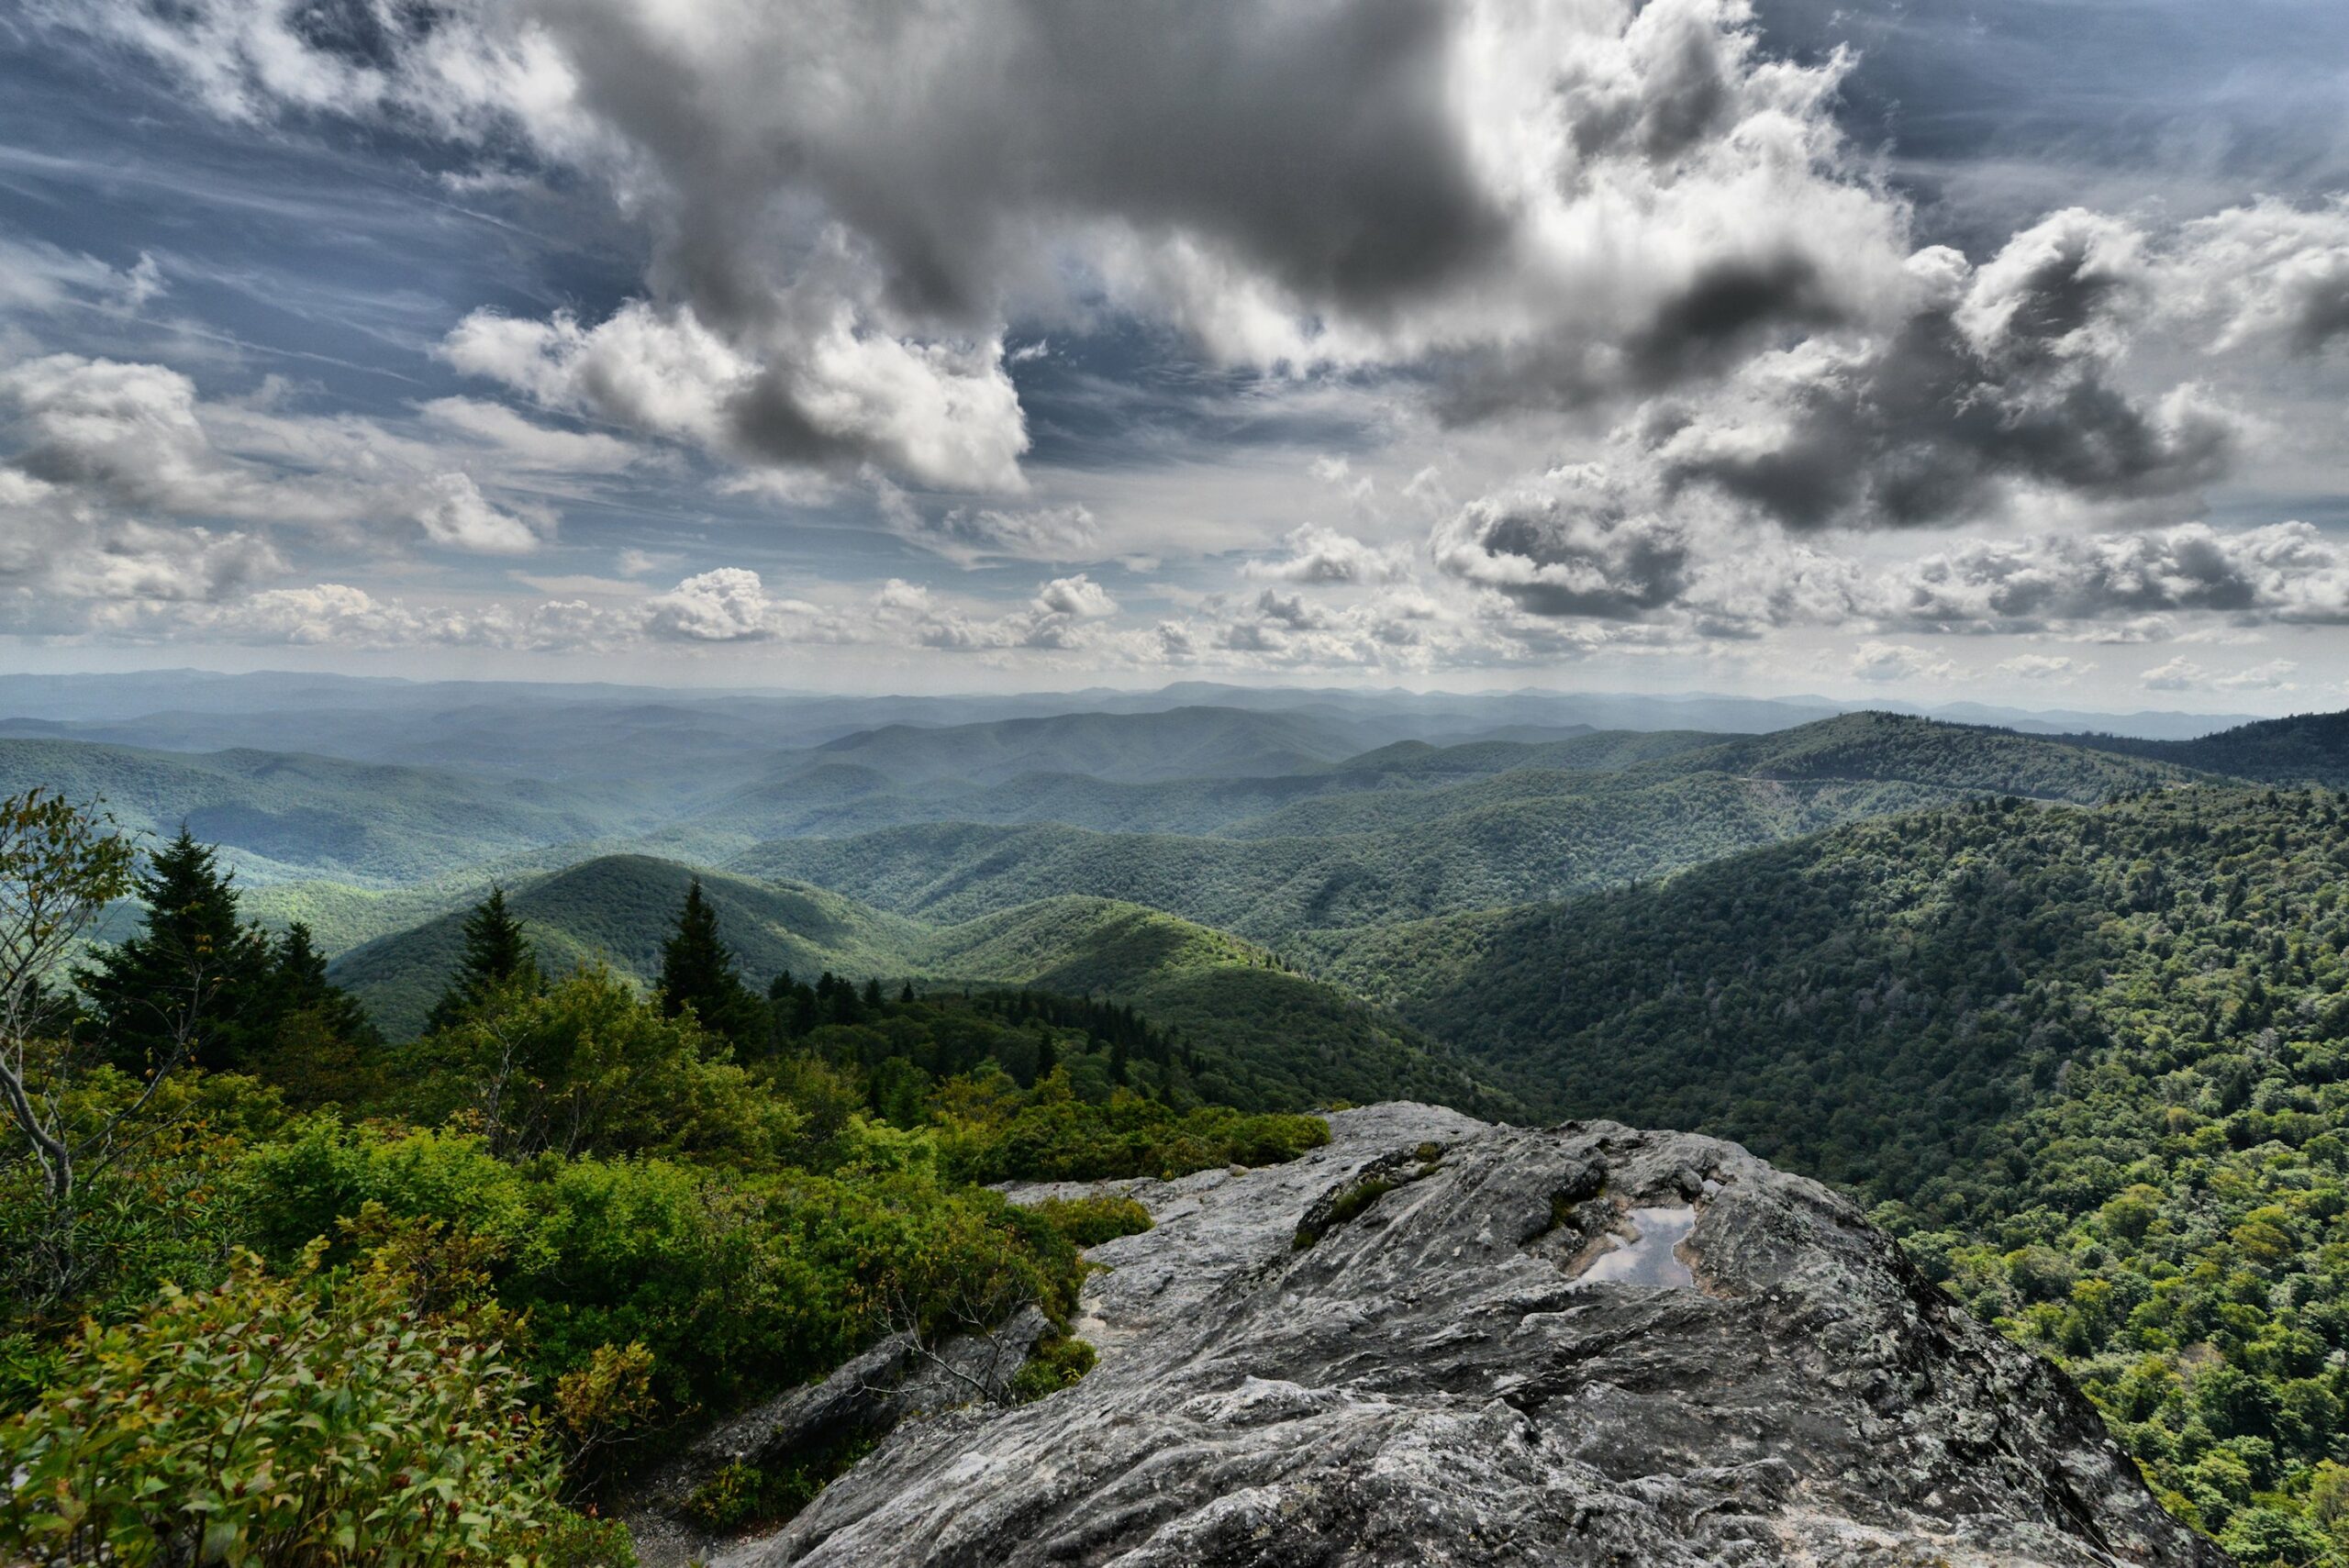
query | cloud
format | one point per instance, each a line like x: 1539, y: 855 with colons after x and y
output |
x: 123, y: 561
x: 1040, y: 533
x: 38, y: 278
x: 1874, y: 661
x: 2181, y: 673
x: 1064, y: 614
x: 1996, y: 382
x: 455, y: 514
x: 2285, y: 571
x: 2272, y: 676
x: 846, y: 206
x: 728, y: 605
x: 126, y: 433
x: 1078, y: 595
x: 1578, y: 543
x: 1568, y: 544
x: 116, y: 444
x: 1322, y: 555
x: 2052, y: 667
x: 2266, y: 274
x: 818, y: 389
x: 527, y: 445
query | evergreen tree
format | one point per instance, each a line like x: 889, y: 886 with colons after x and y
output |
x: 320, y: 1046
x: 194, y: 983
x: 697, y: 970
x: 497, y: 959
x: 302, y: 986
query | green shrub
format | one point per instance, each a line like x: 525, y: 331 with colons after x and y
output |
x: 742, y: 1494
x: 735, y: 1282
x: 1096, y: 1218
x: 272, y: 1421
x: 1058, y: 1138
x: 1057, y: 1362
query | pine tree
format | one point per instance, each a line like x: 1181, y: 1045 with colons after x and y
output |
x: 302, y: 986
x: 194, y: 983
x: 697, y: 970
x: 322, y: 1047
x: 497, y: 959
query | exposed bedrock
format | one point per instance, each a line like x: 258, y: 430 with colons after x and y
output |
x: 1437, y: 1342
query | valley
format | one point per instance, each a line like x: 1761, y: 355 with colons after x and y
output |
x: 2115, y: 971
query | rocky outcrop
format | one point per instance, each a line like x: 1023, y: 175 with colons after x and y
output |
x: 1437, y: 1342
x: 898, y: 1380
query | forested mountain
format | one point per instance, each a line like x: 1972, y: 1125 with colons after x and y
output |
x: 1295, y: 1040
x: 619, y: 909
x: 281, y: 815
x: 2067, y: 1009
x: 287, y: 816
x: 1182, y: 743
x: 2307, y: 748
x: 1888, y: 746
x: 1525, y: 837
x: 2093, y: 1061
x: 1380, y: 855
x: 1290, y: 1041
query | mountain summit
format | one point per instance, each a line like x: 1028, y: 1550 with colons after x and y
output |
x: 1438, y: 1340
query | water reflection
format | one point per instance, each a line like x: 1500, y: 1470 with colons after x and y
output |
x: 1647, y: 1259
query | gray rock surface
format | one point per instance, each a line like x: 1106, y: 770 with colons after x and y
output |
x: 1410, y: 1348
x: 896, y: 1381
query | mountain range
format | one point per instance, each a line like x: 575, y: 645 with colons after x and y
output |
x: 2069, y: 1009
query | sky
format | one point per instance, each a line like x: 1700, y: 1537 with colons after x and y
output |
x: 1991, y: 352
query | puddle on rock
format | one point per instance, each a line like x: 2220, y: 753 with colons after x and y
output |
x: 1648, y: 1258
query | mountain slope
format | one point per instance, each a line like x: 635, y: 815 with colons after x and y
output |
x: 1373, y: 855
x: 1886, y: 746
x: 1527, y: 837
x: 2095, y: 1061
x: 1295, y: 1040
x: 1183, y: 743
x: 620, y: 910
x: 281, y: 815
x: 2308, y: 748
x: 1279, y: 1039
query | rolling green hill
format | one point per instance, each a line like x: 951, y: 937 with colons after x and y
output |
x: 1183, y: 743
x: 1295, y: 1040
x: 281, y: 816
x: 1884, y: 747
x: 620, y: 910
x: 1521, y: 838
x: 1289, y: 1040
x: 1375, y: 855
x: 2307, y: 748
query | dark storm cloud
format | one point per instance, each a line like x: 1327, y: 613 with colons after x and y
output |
x: 1315, y: 142
x: 1564, y: 547
x: 1717, y: 319
x: 853, y: 200
x: 2286, y: 573
x: 1999, y: 379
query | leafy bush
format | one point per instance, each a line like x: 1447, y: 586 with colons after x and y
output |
x: 736, y: 1283
x: 1094, y: 1218
x: 1056, y: 1137
x: 585, y: 1067
x: 270, y: 1421
x: 1058, y: 1362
